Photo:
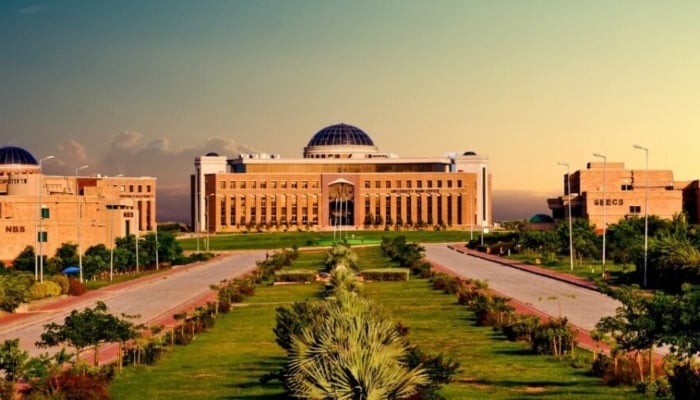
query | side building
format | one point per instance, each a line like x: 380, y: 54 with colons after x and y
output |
x: 46, y: 211
x: 610, y: 192
x: 342, y: 182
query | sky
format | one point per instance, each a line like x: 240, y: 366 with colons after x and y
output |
x: 140, y: 88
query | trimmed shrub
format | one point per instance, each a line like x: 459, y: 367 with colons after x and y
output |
x: 42, y: 290
x: 386, y: 274
x: 75, y: 287
x: 685, y: 381
x: 62, y: 281
x: 295, y: 276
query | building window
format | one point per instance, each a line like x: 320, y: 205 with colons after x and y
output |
x: 314, y: 184
x: 222, y: 212
x: 242, y: 184
x: 430, y: 183
x: 409, y: 184
x: 419, y: 184
x: 253, y: 184
x: 283, y: 184
x: 232, y: 185
x: 449, y: 183
x: 377, y: 185
x: 366, y: 184
x: 232, y: 213
x: 148, y: 188
x: 459, y: 183
x: 294, y: 185
x: 263, y: 209
x: 223, y: 185
x: 273, y: 184
x: 263, y: 185
x: 273, y: 209
x: 635, y: 209
x: 439, y: 184
x: 626, y: 187
x: 398, y: 184
x: 131, y: 188
x: 388, y: 184
x: 304, y: 184
x: 387, y: 212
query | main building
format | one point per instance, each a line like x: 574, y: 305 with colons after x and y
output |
x: 343, y: 181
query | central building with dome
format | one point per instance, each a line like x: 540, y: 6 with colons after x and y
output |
x: 343, y: 181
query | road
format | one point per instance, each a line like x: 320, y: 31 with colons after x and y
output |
x: 151, y: 298
x: 161, y: 295
x: 583, y: 307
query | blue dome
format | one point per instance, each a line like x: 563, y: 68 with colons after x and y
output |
x: 541, y: 219
x: 340, y: 135
x: 12, y: 155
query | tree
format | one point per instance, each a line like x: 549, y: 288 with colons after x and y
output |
x: 353, y: 353
x: 96, y: 260
x: 26, y: 260
x: 341, y: 254
x: 91, y: 327
x: 66, y: 256
x: 12, y: 359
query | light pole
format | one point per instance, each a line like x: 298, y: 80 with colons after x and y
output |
x: 646, y: 210
x: 39, y: 227
x: 605, y: 162
x: 137, y: 228
x: 111, y: 241
x: 77, y: 200
x: 571, y: 229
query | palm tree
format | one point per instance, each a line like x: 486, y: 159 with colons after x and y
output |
x: 353, y: 353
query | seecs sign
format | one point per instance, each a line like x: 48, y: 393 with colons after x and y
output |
x: 608, y: 202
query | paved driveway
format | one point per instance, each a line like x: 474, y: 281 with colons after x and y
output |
x: 583, y: 307
x: 150, y: 298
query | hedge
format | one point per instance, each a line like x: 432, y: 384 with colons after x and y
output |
x: 386, y: 274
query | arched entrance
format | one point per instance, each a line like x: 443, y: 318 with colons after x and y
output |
x: 341, y: 204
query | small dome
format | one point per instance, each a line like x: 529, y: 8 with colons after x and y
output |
x: 541, y: 219
x: 212, y: 154
x: 341, y: 135
x: 12, y: 155
x: 469, y: 153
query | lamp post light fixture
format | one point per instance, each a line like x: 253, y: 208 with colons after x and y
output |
x: 39, y: 260
x: 77, y: 200
x: 571, y: 229
x: 605, y: 162
x: 646, y: 210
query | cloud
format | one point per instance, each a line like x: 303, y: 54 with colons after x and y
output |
x: 127, y: 154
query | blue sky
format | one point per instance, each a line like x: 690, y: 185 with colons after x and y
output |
x: 141, y: 87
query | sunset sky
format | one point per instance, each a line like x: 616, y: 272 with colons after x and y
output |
x: 142, y: 87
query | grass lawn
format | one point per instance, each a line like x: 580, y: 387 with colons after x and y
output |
x: 228, y: 361
x: 279, y: 240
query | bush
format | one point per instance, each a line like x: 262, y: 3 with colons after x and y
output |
x: 422, y: 269
x: 685, y: 381
x: 295, y: 276
x: 75, y: 288
x: 521, y: 328
x: 62, y: 281
x: 42, y: 290
x: 554, y: 337
x: 386, y: 274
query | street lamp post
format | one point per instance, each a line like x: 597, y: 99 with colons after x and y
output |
x: 571, y: 230
x: 605, y: 162
x: 77, y: 200
x: 646, y: 210
x: 39, y: 262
